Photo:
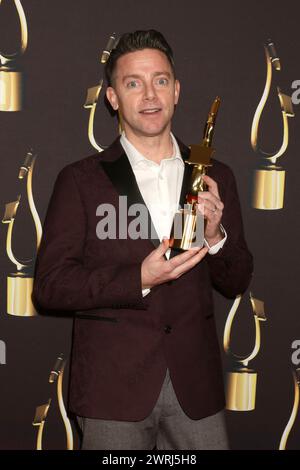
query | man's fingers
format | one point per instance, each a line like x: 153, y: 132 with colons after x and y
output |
x: 190, y: 263
x: 212, y: 184
x: 180, y: 259
x: 162, y: 247
x: 210, y: 199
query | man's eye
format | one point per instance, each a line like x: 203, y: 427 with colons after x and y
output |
x: 132, y: 84
x: 162, y: 81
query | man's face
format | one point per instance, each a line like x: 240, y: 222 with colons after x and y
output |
x: 145, y: 92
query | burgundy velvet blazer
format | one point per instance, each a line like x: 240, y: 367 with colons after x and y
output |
x: 123, y: 342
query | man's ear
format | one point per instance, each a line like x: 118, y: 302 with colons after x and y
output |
x: 112, y: 98
x: 177, y: 91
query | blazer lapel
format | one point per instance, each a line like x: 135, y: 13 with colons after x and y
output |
x: 185, y: 153
x: 185, y: 183
x: 122, y: 177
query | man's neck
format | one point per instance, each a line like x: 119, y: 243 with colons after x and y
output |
x: 155, y: 148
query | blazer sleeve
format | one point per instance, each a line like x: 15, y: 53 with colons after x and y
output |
x: 231, y: 268
x: 62, y: 281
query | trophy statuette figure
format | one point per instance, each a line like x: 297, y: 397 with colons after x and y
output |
x: 188, y: 226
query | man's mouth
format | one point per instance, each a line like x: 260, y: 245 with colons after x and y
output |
x: 150, y: 111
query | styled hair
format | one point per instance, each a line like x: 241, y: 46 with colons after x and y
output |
x: 137, y: 41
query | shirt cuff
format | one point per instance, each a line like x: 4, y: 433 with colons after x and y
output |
x: 145, y: 292
x: 215, y: 248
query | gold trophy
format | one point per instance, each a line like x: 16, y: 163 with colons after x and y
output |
x: 20, y: 283
x: 187, y: 230
x: 291, y: 421
x: 56, y: 375
x: 269, y: 179
x: 10, y: 74
x: 241, y: 381
x: 94, y: 92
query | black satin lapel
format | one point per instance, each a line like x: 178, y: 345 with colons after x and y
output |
x: 182, y: 200
x: 185, y: 183
x: 122, y: 177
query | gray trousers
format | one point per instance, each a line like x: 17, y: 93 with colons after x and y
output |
x: 166, y: 427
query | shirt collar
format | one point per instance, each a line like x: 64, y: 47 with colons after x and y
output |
x: 135, y: 157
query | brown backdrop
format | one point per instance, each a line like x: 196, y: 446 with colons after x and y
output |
x: 219, y: 51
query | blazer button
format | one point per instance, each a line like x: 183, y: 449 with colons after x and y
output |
x: 168, y: 329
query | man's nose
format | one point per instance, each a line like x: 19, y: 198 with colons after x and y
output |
x: 149, y: 91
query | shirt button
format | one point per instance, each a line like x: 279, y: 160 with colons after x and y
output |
x: 168, y: 329
x: 161, y: 177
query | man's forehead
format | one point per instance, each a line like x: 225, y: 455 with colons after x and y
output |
x: 151, y: 61
x: 144, y: 57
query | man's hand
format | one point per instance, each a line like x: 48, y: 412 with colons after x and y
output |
x: 156, y: 269
x: 211, y: 207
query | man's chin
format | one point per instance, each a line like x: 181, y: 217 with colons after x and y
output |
x: 154, y: 131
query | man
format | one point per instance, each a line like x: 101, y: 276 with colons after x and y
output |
x: 146, y: 368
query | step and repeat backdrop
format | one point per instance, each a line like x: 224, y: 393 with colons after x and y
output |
x: 53, y: 112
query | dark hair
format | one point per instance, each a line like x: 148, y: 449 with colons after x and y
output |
x: 136, y: 41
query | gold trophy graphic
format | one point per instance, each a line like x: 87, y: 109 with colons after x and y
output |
x: 41, y: 413
x: 187, y: 220
x: 10, y: 74
x: 20, y: 283
x: 292, y: 419
x: 269, y: 179
x: 93, y: 95
x: 241, y: 381
x: 56, y: 376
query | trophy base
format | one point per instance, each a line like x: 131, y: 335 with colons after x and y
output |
x: 187, y: 230
x: 241, y: 390
x: 10, y: 90
x: 19, y: 290
x: 268, y: 188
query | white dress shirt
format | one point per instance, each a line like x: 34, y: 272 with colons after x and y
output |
x: 160, y: 185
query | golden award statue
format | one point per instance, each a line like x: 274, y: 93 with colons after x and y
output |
x: 94, y: 92
x: 20, y: 283
x: 10, y: 74
x: 241, y: 381
x: 188, y: 226
x: 269, y: 179
x: 291, y: 421
x: 41, y: 413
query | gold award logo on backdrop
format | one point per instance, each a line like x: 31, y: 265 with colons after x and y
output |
x: 94, y: 92
x: 269, y: 179
x: 10, y: 73
x: 20, y: 283
x: 241, y: 381
x: 291, y: 421
x: 41, y: 412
